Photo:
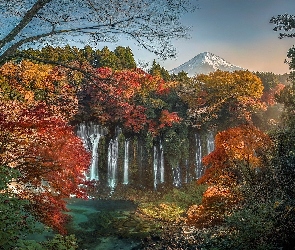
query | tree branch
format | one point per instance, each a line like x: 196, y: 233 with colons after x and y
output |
x: 12, y: 49
x: 24, y: 22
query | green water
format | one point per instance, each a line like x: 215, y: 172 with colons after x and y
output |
x: 103, y: 225
x: 106, y: 224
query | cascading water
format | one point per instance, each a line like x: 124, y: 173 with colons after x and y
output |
x: 155, y: 167
x: 199, y: 167
x: 90, y: 135
x: 161, y: 163
x: 210, y: 142
x: 113, y: 162
x: 176, y: 177
x: 158, y: 164
x: 94, y: 161
x: 126, y: 162
x: 186, y: 174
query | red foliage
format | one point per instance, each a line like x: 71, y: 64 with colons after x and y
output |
x: 50, y: 158
x: 235, y: 148
x: 167, y: 119
x: 121, y: 98
x: 269, y: 96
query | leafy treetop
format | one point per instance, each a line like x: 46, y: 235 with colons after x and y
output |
x: 284, y: 23
x: 222, y: 95
x: 120, y: 58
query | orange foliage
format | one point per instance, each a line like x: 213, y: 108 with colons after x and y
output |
x: 29, y: 82
x: 235, y: 148
x: 269, y: 96
x: 217, y: 201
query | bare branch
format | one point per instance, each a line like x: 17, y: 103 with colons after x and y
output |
x: 24, y: 22
x: 151, y: 23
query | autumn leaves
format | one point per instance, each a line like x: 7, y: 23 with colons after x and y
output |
x: 39, y: 102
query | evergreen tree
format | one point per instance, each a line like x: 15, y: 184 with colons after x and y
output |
x: 126, y: 58
x: 107, y: 58
x: 158, y: 70
x: 269, y: 79
x: 120, y: 58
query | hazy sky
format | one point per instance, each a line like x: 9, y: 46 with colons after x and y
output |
x: 236, y: 30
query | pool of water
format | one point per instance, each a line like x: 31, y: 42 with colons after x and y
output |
x: 103, y: 225
x: 106, y: 224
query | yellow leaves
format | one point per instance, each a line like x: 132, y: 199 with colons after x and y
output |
x: 236, y: 93
x: 162, y: 211
x: 29, y: 75
x: 29, y: 96
x: 31, y: 83
x: 237, y: 84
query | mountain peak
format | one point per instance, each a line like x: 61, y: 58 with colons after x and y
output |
x: 205, y: 63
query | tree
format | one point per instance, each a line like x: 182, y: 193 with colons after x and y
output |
x: 132, y: 99
x: 36, y: 140
x: 50, y: 158
x: 121, y: 58
x: 157, y: 70
x: 270, y: 117
x: 269, y: 79
x: 238, y: 155
x: 221, y: 97
x: 285, y: 23
x: 235, y: 147
x: 126, y: 58
x: 150, y: 23
x: 29, y: 82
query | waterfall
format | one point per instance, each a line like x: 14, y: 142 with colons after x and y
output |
x: 199, y: 169
x: 176, y: 177
x: 183, y: 172
x: 210, y: 142
x: 155, y: 167
x: 161, y: 163
x: 126, y: 162
x: 158, y: 164
x: 90, y: 135
x: 93, y: 174
x: 112, y: 163
x: 186, y: 179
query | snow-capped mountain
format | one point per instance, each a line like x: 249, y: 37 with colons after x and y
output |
x: 205, y: 63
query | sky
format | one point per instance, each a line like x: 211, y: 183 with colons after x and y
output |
x: 236, y: 30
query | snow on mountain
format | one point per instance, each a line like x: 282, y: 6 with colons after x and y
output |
x: 205, y: 63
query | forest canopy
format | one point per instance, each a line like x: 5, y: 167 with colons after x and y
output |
x: 46, y: 93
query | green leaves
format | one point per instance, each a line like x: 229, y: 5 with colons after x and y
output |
x: 16, y: 222
x: 285, y: 24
